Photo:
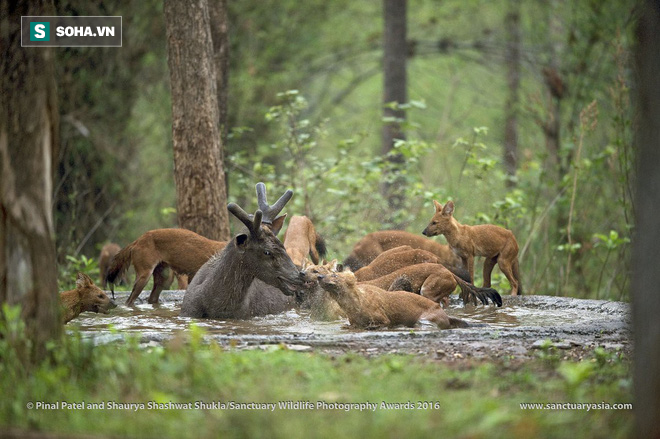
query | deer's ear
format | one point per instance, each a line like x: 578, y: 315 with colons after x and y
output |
x: 438, y: 206
x: 277, y: 224
x: 449, y: 208
x: 241, y: 240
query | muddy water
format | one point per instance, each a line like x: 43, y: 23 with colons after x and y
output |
x: 510, y: 330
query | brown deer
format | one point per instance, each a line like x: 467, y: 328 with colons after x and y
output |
x: 301, y: 239
x: 181, y: 250
x: 222, y: 287
x: 497, y: 244
x: 375, y: 243
x: 370, y: 307
x: 105, y: 259
x: 85, y: 297
x: 435, y: 282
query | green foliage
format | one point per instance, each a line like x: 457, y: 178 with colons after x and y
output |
x: 73, y: 265
x: 474, y: 399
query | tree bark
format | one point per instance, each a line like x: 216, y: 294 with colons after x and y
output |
x: 220, y: 35
x: 28, y: 138
x: 646, y: 246
x: 198, y: 163
x: 394, y: 90
x: 512, y: 24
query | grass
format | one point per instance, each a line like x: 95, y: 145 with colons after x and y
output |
x: 464, y: 399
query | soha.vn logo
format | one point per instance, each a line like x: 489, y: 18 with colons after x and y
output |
x: 39, y: 31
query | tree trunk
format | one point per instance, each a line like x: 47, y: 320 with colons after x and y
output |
x: 220, y: 35
x: 29, y: 126
x: 198, y: 167
x: 512, y: 24
x: 394, y: 90
x: 646, y: 247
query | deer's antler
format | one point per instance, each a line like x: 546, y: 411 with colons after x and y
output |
x: 253, y: 224
x: 270, y: 212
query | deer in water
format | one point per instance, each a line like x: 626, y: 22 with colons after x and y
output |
x: 373, y: 244
x: 223, y: 287
x: 497, y: 244
x: 182, y: 250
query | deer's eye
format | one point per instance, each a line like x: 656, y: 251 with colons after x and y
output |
x: 100, y: 296
x: 267, y: 253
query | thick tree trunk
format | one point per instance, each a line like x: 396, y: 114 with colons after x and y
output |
x: 646, y: 248
x: 28, y: 138
x: 512, y: 24
x: 394, y: 90
x: 198, y: 167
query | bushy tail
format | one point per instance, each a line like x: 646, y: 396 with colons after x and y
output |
x: 353, y: 262
x: 118, y: 266
x: 460, y: 272
x: 320, y: 246
x: 470, y: 293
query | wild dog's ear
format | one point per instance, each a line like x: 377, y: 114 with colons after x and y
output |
x: 333, y: 265
x: 82, y: 280
x: 448, y: 209
x: 241, y: 240
x: 339, y: 267
x: 438, y: 206
x: 277, y: 224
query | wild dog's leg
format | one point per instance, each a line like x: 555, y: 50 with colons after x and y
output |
x: 507, y: 268
x: 140, y: 281
x: 489, y: 263
x: 469, y: 263
x: 159, y: 283
x: 438, y: 287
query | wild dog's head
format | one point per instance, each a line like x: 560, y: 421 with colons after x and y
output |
x: 442, y: 219
x: 92, y: 298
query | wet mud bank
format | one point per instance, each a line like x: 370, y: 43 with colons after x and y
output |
x: 521, y: 328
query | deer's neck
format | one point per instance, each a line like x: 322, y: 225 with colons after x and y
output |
x: 233, y: 278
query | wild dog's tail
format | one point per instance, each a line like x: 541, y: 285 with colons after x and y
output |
x: 470, y: 293
x: 353, y: 262
x: 516, y: 273
x: 320, y: 246
x: 402, y: 283
x: 460, y: 272
x: 119, y: 265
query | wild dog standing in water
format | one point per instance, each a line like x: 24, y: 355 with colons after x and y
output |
x: 86, y: 297
x: 497, y: 244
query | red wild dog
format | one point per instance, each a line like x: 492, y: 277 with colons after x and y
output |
x: 86, y: 297
x: 399, y: 257
x: 368, y: 306
x: 435, y: 282
x: 497, y: 244
x: 182, y: 250
x: 108, y: 252
x: 301, y: 239
x: 375, y: 243
x: 321, y: 305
